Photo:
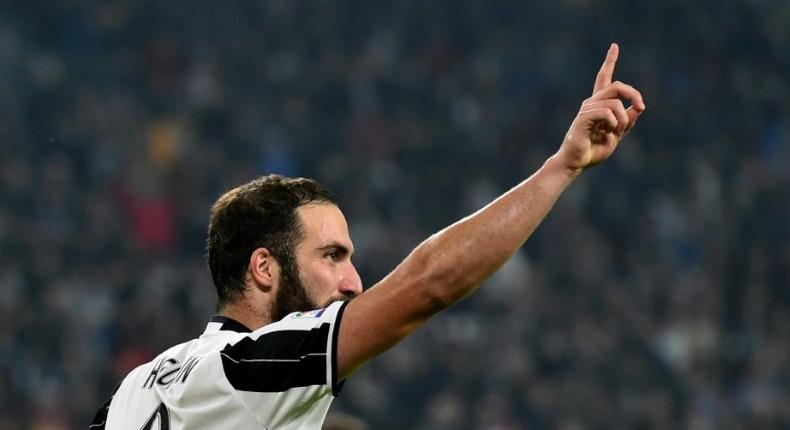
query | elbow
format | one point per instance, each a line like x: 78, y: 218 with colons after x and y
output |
x: 447, y: 289
x: 442, y: 281
x: 435, y: 298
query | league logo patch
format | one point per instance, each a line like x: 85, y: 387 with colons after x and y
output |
x: 311, y: 314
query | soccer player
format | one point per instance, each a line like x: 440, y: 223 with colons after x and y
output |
x: 288, y: 332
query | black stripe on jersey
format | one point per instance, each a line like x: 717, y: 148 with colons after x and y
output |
x: 278, y: 361
x: 337, y: 386
x: 230, y: 324
x: 100, y: 419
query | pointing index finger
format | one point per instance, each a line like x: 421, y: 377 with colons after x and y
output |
x: 604, y: 76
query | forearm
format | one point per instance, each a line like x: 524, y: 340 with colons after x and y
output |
x: 454, y: 261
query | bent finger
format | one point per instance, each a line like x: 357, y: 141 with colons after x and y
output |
x: 620, y: 89
x: 599, y: 115
x: 617, y: 107
x: 633, y: 115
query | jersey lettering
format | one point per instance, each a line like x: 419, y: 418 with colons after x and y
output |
x: 162, y: 415
x: 187, y: 368
x: 168, y: 370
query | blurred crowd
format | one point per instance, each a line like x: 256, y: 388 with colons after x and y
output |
x: 656, y: 295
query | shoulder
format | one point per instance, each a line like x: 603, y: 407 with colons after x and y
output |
x: 297, y: 351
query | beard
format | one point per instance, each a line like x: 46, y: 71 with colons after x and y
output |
x: 292, y: 295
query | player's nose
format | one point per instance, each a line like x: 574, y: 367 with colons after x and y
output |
x: 351, y: 284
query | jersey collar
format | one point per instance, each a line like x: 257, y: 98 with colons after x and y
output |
x: 226, y: 323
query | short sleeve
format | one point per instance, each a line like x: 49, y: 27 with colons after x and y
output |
x: 288, y: 365
x: 297, y: 351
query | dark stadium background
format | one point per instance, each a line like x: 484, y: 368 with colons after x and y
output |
x: 655, y: 296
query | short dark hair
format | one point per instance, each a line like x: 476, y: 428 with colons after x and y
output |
x: 259, y: 214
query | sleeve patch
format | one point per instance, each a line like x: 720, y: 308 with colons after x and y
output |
x: 311, y: 314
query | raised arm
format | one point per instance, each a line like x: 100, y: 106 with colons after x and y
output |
x: 453, y: 262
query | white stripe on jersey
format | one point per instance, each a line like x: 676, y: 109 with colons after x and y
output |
x: 271, y: 360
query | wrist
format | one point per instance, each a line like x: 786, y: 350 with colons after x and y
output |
x: 555, y: 166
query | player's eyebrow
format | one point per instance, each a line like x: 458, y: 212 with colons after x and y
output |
x: 338, y: 247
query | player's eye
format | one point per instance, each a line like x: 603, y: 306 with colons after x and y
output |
x: 334, y: 255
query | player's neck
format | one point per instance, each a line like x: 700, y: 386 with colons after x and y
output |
x: 247, y: 313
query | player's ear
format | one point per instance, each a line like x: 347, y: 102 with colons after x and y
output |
x: 263, y: 269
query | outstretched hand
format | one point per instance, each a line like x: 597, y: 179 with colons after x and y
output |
x: 602, y: 120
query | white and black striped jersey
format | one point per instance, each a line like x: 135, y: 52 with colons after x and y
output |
x: 282, y: 376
